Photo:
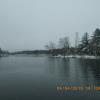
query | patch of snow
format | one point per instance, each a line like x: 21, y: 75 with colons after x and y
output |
x: 77, y: 56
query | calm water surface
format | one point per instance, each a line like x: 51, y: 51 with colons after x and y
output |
x: 36, y: 78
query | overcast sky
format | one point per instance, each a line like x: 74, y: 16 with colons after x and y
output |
x: 30, y: 24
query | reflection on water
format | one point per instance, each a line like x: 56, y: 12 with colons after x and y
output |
x: 75, y: 71
x: 93, y: 67
x: 27, y: 78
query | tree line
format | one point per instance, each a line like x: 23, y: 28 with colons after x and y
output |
x: 3, y: 53
x: 87, y: 45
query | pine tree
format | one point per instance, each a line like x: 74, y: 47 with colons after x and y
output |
x: 95, y: 44
x: 84, y: 46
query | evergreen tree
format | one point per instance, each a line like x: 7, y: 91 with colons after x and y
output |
x: 95, y: 43
x: 84, y: 46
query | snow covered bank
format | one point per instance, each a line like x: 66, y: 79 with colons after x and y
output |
x: 78, y: 56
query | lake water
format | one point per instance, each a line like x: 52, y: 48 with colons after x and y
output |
x: 37, y: 78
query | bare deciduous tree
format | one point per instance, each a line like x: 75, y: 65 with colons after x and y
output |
x: 65, y: 45
x: 51, y: 47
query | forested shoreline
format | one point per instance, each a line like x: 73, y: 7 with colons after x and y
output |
x: 88, y: 45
